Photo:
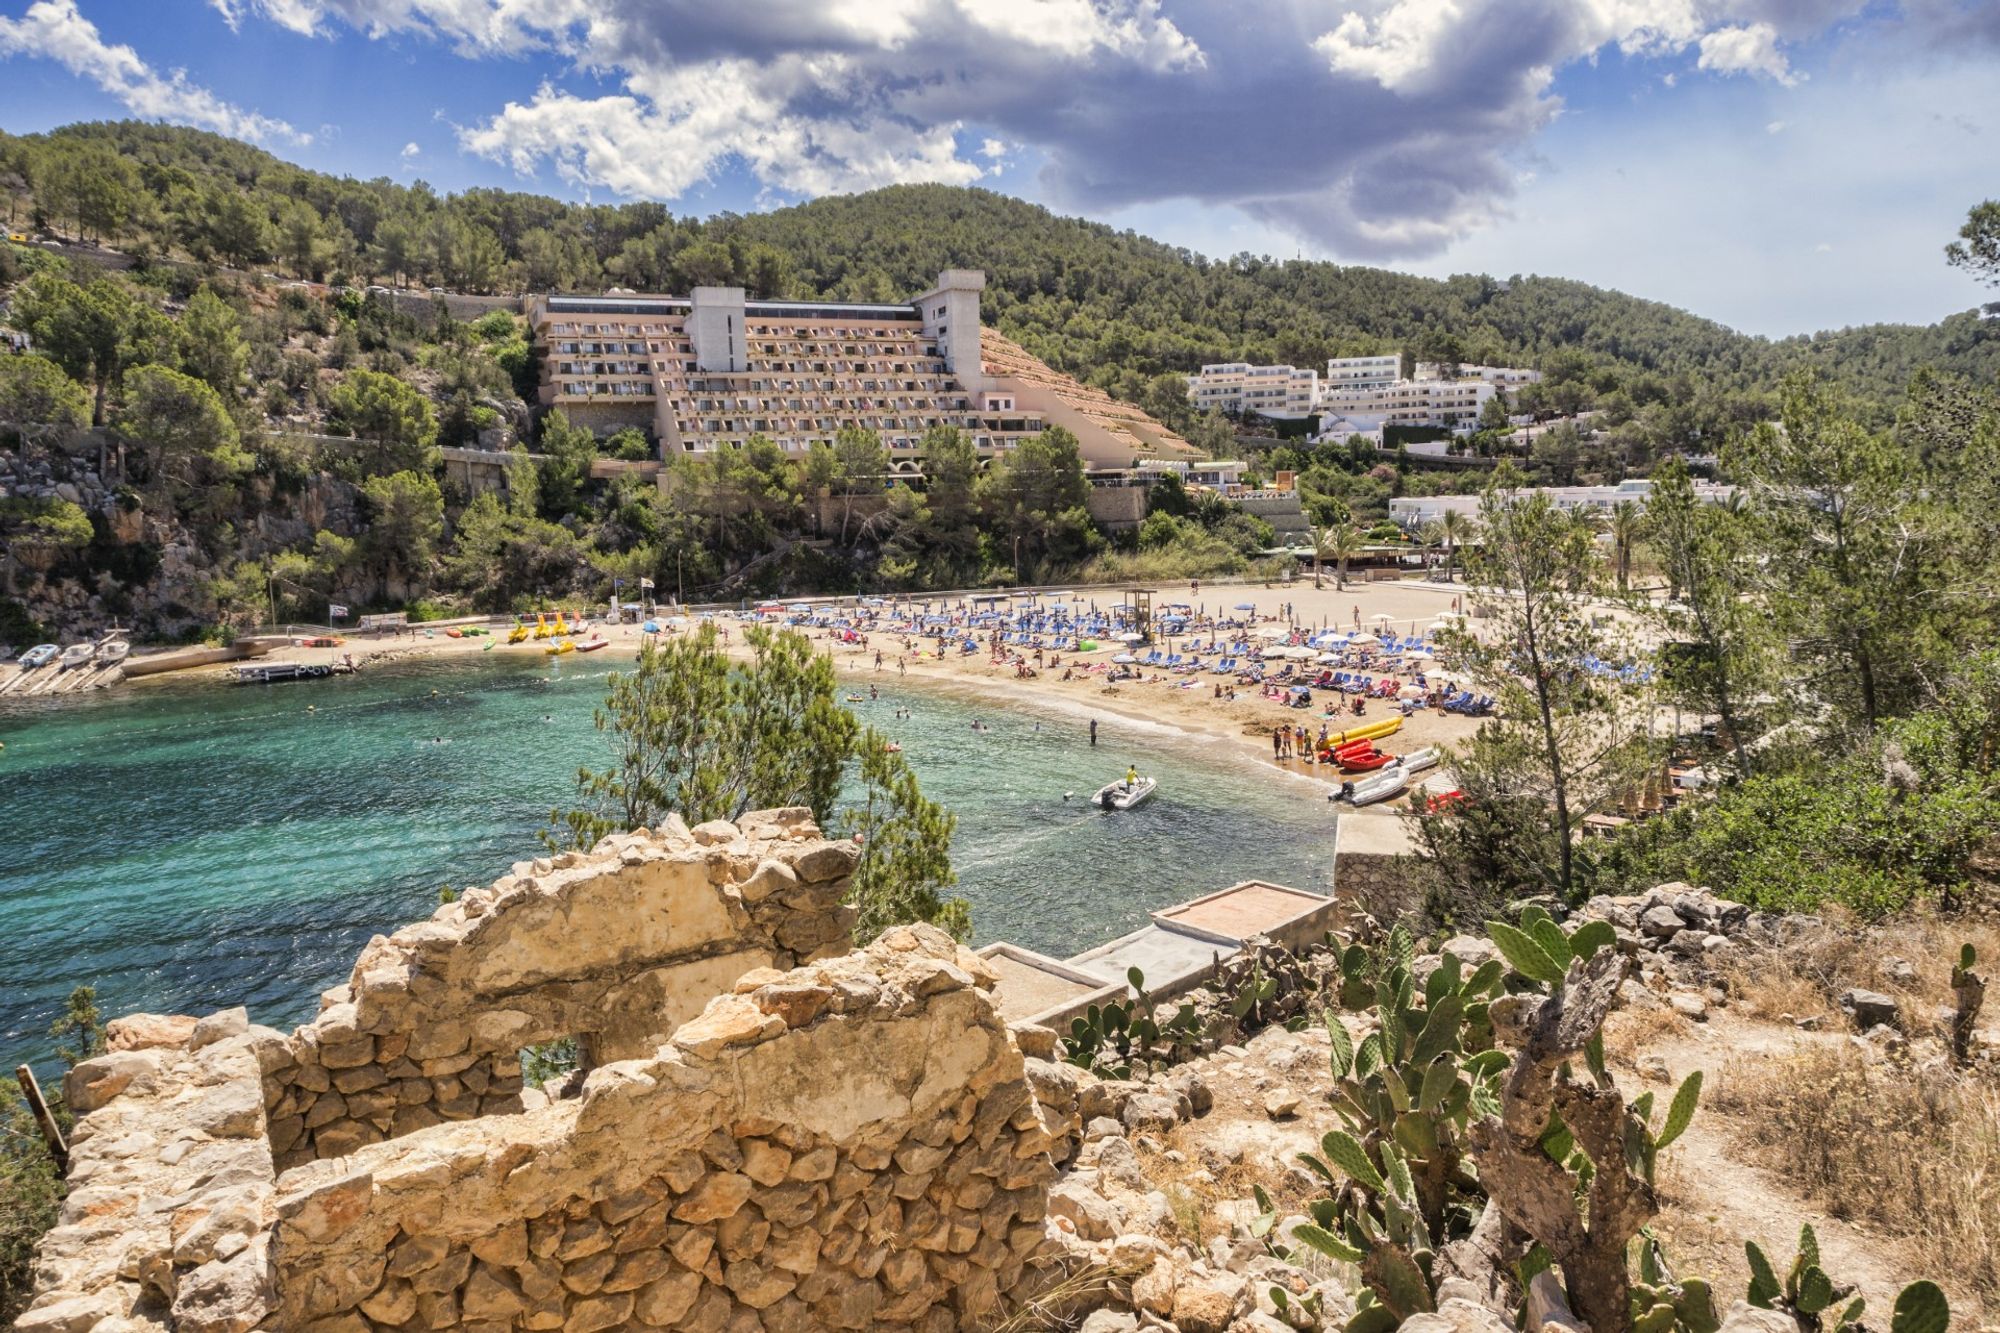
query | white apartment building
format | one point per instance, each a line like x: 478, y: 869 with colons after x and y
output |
x: 1508, y: 377
x: 1359, y: 394
x: 1450, y: 404
x: 1239, y: 388
x: 1362, y: 372
x: 1413, y: 511
x: 1221, y: 474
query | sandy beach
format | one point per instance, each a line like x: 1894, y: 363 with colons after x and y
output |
x: 1186, y: 702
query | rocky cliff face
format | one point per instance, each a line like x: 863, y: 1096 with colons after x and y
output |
x: 147, y: 567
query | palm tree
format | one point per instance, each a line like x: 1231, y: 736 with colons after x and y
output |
x: 1339, y: 543
x: 1452, y: 529
x: 1627, y: 521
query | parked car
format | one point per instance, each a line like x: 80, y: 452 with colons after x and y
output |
x: 39, y: 656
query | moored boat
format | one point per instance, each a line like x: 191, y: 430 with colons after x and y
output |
x: 76, y: 655
x: 593, y: 645
x: 559, y: 647
x: 113, y: 651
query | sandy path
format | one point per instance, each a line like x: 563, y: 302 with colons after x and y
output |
x: 1716, y: 1197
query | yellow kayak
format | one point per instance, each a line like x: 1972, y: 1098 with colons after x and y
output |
x: 559, y: 647
x: 517, y: 634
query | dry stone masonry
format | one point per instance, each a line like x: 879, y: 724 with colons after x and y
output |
x: 850, y: 1145
x: 773, y: 1133
x: 616, y: 949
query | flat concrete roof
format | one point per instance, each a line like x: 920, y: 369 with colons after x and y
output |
x: 1032, y: 986
x: 1163, y: 955
x: 1236, y: 913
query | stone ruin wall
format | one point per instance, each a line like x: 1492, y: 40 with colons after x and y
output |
x: 616, y: 949
x: 850, y: 1143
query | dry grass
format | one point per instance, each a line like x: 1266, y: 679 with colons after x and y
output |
x: 1058, y: 1304
x: 1193, y: 1198
x: 1631, y: 1031
x: 1913, y: 1152
x: 1804, y: 977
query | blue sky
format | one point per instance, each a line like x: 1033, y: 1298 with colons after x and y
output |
x: 1781, y: 165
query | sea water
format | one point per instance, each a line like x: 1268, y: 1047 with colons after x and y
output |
x: 185, y: 846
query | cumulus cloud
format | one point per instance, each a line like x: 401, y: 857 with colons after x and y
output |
x: 54, y: 30
x: 1750, y: 49
x: 1378, y: 129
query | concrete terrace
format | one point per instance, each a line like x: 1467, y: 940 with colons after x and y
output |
x: 1174, y: 951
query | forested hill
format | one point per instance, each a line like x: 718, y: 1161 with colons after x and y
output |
x: 1112, y: 307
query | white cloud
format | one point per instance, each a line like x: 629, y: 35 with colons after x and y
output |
x: 1401, y: 124
x: 54, y: 30
x: 1776, y: 127
x: 410, y: 152
x: 1751, y: 49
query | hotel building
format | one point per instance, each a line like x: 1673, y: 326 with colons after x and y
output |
x: 709, y: 370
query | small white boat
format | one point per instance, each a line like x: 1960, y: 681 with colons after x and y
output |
x: 1416, y: 761
x: 113, y: 652
x: 1122, y: 795
x: 1377, y: 786
x: 76, y: 655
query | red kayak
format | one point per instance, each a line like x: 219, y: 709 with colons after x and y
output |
x: 1362, y: 763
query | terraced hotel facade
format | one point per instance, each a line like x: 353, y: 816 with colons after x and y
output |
x: 709, y: 370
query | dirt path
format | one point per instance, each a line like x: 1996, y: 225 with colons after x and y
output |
x: 1715, y: 1196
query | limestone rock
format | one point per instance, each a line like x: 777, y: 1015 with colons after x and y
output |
x: 1868, y: 1008
x: 1458, y: 1316
x: 219, y: 1026
x: 139, y: 1032
x: 1208, y: 1302
x: 1660, y: 922
x: 1109, y: 1321
x: 1746, y: 1318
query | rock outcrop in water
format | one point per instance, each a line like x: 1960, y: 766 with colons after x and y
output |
x: 831, y: 1139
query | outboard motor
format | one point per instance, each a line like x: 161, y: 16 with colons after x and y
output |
x: 1104, y: 802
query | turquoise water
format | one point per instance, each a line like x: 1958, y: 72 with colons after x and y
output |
x: 187, y: 846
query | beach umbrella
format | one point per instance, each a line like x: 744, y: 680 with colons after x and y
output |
x: 1327, y: 659
x: 1365, y: 640
x: 1409, y: 692
x: 1382, y: 616
x: 1423, y: 654
x: 1130, y: 636
x: 1123, y: 657
x: 1246, y: 606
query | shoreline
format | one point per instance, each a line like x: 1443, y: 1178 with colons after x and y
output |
x: 1245, y: 723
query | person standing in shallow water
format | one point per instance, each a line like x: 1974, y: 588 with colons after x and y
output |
x: 1093, y: 733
